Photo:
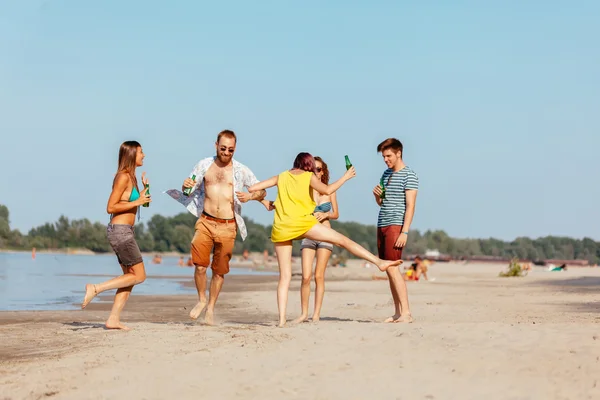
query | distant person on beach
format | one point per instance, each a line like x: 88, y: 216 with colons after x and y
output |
x: 294, y: 219
x: 397, y: 200
x: 123, y: 204
x: 325, y: 210
x: 216, y: 199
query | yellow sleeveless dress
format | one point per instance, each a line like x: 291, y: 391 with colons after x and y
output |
x: 293, y: 207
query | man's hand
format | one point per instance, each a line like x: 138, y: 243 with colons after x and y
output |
x: 377, y: 191
x: 321, y: 216
x: 401, y: 241
x: 243, y: 196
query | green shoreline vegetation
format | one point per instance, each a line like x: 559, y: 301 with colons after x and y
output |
x: 173, y: 234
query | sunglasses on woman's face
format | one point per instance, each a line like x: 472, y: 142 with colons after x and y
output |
x: 319, y: 169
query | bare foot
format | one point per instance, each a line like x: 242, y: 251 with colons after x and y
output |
x: 405, y: 319
x: 197, y: 310
x: 209, y: 318
x: 393, y: 318
x: 316, y: 318
x: 385, y: 264
x: 90, y: 293
x: 300, y: 319
x: 281, y: 324
x: 116, y: 324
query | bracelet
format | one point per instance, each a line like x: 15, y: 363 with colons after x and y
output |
x: 406, y: 233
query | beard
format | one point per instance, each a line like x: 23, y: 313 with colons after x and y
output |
x: 224, y: 159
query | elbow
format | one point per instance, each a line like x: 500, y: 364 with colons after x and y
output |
x: 334, y: 216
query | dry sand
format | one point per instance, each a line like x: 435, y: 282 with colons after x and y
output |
x: 476, y: 336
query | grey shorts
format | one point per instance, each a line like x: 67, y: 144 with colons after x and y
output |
x: 314, y: 245
x: 122, y: 241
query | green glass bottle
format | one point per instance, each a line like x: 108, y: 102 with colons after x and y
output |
x: 348, y: 163
x: 187, y: 191
x: 147, y: 186
x: 382, y: 195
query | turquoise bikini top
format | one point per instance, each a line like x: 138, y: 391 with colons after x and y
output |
x: 325, y: 207
x: 134, y: 194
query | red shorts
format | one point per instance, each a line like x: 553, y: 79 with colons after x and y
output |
x: 386, y: 238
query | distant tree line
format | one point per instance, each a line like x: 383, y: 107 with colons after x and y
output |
x: 162, y: 234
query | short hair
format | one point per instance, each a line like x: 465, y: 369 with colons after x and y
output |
x: 227, y: 133
x: 391, y: 143
x: 305, y: 162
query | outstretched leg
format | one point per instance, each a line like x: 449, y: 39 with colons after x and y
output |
x: 284, y: 259
x: 323, y: 233
x: 322, y: 260
x: 308, y: 257
x: 134, y: 276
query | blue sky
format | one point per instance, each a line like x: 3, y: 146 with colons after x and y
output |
x: 496, y: 103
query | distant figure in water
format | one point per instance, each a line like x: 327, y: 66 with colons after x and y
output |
x: 180, y: 263
x: 33, y: 253
x: 123, y: 204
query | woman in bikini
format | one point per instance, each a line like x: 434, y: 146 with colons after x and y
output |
x: 294, y: 219
x: 326, y: 210
x: 123, y: 204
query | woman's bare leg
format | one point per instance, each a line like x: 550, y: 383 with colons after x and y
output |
x: 114, y: 319
x: 322, y: 260
x: 323, y: 233
x: 284, y: 259
x: 308, y: 257
x: 134, y: 276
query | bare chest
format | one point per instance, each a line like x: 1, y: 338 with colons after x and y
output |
x: 219, y: 177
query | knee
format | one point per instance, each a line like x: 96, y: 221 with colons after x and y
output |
x: 306, y: 280
x: 140, y: 278
x: 200, y: 270
x: 319, y: 278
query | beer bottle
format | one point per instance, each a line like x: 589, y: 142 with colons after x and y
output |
x: 382, y: 195
x: 147, y: 186
x: 187, y: 191
x: 348, y: 163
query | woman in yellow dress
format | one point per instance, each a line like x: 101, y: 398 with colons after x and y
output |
x: 294, y: 219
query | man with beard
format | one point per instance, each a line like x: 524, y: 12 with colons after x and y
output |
x: 220, y: 180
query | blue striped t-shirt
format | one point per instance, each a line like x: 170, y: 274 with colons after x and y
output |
x: 393, y: 205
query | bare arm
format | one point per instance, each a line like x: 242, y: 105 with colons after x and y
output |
x: 334, y: 213
x: 119, y: 186
x: 411, y: 200
x: 322, y: 188
x: 261, y: 186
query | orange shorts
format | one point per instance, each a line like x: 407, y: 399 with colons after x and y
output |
x: 214, y: 234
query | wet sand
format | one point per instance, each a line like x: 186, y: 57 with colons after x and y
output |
x: 475, y: 336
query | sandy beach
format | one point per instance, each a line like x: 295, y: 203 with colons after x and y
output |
x: 475, y: 336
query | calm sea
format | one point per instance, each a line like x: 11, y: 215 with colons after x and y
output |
x: 57, y: 281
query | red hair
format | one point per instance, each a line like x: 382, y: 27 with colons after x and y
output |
x: 305, y: 162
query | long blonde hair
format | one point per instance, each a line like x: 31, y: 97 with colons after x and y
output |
x: 127, y: 160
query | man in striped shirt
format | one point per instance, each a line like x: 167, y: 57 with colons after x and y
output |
x: 396, y: 195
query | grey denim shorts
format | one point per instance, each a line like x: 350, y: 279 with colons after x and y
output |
x: 314, y: 245
x: 122, y: 240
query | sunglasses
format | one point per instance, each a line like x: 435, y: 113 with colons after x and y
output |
x: 319, y: 169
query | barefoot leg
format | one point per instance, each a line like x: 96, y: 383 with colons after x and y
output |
x: 323, y: 233
x: 308, y: 257
x: 200, y: 281
x: 322, y: 260
x: 392, y: 274
x: 121, y: 297
x: 284, y: 259
x: 216, y: 283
